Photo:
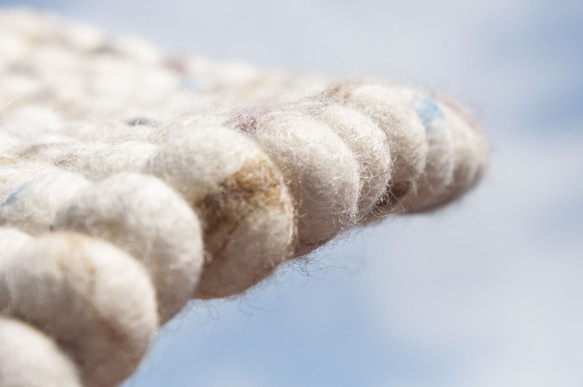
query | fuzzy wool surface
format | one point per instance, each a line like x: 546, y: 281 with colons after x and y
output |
x: 132, y: 182
x: 33, y: 206
x: 94, y: 299
x: 29, y: 358
x: 369, y: 144
x: 149, y: 220
x: 246, y: 208
x: 321, y: 170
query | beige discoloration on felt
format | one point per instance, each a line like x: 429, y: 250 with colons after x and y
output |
x: 245, y: 207
x: 254, y: 196
x: 146, y: 218
x: 95, y: 300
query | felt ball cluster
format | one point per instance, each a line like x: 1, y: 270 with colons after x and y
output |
x: 131, y: 183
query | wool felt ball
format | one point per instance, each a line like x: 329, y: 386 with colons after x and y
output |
x: 438, y: 172
x: 146, y: 218
x: 209, y: 117
x: 81, y: 38
x: 136, y: 49
x: 246, y: 209
x: 44, y: 149
x: 7, y: 143
x: 321, y: 170
x: 7, y: 157
x: 34, y: 26
x: 99, y: 160
x: 370, y: 145
x: 95, y: 159
x: 29, y: 121
x: 53, y: 61
x: 10, y: 241
x: 393, y: 110
x: 33, y: 206
x: 470, y: 150
x: 95, y: 300
x: 110, y: 131
x: 13, y: 175
x: 17, y: 89
x: 28, y: 358
x: 13, y: 46
x: 115, y: 80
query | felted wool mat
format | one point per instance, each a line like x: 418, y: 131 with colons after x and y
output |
x: 131, y: 183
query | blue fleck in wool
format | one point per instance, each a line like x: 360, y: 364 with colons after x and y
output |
x: 427, y: 110
x: 14, y: 195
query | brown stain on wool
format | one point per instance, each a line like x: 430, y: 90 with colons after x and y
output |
x: 342, y: 91
x: 255, y: 185
x: 258, y: 185
x: 77, y: 247
x: 6, y: 161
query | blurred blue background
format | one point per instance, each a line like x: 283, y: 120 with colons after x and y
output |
x: 486, y: 293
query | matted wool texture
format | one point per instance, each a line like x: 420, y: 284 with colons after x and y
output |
x: 321, y: 170
x: 144, y: 217
x: 132, y: 182
x: 94, y: 299
x: 247, y: 212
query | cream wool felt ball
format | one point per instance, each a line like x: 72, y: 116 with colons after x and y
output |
x: 146, y: 218
x: 370, y: 145
x: 14, y: 174
x: 207, y: 117
x: 13, y: 47
x: 320, y: 169
x: 28, y: 358
x: 79, y: 37
x: 34, y: 26
x: 32, y: 206
x: 112, y: 79
x: 96, y: 301
x: 440, y: 163
x: 99, y: 160
x: 393, y: 110
x: 136, y: 49
x: 118, y: 83
x: 470, y: 151
x: 42, y: 149
x: 247, y: 212
x: 10, y: 241
x: 31, y: 120
x: 112, y: 131
x: 95, y: 160
x: 7, y: 142
x: 53, y: 61
x: 18, y: 89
